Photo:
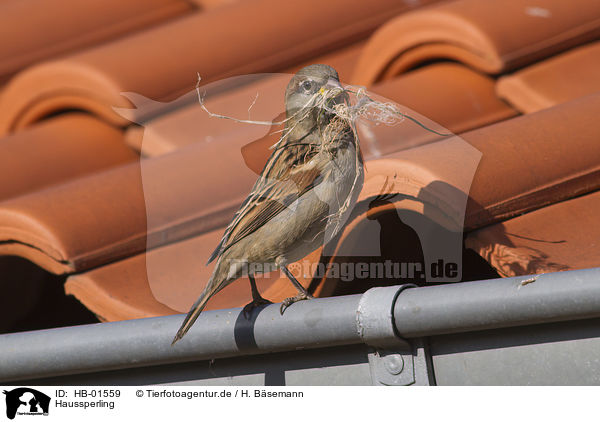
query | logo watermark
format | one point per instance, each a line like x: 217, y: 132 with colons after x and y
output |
x: 26, y: 401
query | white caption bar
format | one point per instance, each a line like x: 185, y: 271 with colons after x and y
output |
x: 166, y: 403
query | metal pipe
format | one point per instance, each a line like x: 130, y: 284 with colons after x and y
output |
x: 308, y: 324
x: 506, y: 302
x: 145, y: 342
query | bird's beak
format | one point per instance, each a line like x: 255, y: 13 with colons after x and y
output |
x: 330, y: 85
x: 334, y: 92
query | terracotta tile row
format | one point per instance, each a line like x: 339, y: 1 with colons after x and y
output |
x: 534, y: 160
x: 33, y: 30
x: 119, y: 212
x: 451, y: 95
x: 161, y: 63
x: 490, y: 36
x: 553, y: 81
x: 57, y: 150
x: 434, y: 181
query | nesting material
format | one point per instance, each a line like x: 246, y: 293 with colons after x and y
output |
x: 359, y: 106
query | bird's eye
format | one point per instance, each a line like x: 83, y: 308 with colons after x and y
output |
x: 306, y: 85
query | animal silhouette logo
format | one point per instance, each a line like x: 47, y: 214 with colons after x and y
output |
x: 26, y: 401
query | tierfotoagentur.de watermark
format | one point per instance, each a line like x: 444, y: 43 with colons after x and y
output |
x: 350, y: 271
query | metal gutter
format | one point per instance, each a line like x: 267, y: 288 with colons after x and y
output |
x: 505, y: 302
x: 372, y: 319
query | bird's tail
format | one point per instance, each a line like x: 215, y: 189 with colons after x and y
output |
x: 211, y: 288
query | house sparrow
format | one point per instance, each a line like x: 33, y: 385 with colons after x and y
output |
x: 302, y: 197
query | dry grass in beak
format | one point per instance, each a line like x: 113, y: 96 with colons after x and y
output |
x: 360, y: 106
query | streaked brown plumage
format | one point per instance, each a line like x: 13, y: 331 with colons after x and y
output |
x: 296, y: 204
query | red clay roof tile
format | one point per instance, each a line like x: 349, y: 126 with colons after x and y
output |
x: 534, y: 160
x: 490, y: 36
x: 57, y: 150
x: 557, y: 80
x: 119, y: 212
x: 452, y: 95
x: 30, y: 35
x: 76, y: 224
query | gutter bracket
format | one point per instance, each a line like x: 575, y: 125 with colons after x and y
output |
x: 390, y: 367
x: 394, y: 361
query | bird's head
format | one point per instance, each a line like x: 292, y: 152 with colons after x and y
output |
x: 310, y: 86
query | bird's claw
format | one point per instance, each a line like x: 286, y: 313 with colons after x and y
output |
x: 287, y: 302
x: 256, y: 303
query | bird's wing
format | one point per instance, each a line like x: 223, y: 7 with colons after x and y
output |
x: 269, y: 197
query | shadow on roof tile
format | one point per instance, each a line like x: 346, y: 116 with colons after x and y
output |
x: 562, y: 236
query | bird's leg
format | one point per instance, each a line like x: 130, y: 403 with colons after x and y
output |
x: 257, y: 299
x: 302, y: 293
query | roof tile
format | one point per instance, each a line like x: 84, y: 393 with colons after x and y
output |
x: 553, y: 81
x: 119, y: 212
x: 30, y: 36
x: 55, y: 151
x: 177, y: 127
x: 450, y: 94
x: 534, y: 160
x: 490, y: 36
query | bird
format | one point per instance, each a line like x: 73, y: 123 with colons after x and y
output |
x: 302, y: 196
